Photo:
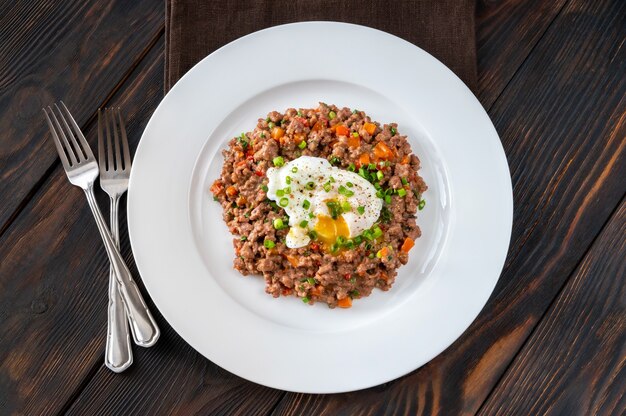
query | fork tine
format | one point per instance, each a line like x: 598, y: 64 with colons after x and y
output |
x: 125, y: 148
x: 101, y: 161
x: 68, y: 132
x: 116, y: 137
x: 85, y: 146
x: 57, y: 142
x: 109, y: 151
x: 68, y: 147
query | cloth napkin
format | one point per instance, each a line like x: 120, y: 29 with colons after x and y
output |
x: 444, y: 28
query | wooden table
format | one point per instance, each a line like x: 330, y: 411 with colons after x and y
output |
x: 552, y: 338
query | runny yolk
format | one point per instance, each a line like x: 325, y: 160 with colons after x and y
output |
x: 329, y: 229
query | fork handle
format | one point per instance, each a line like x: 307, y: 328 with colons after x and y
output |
x: 118, y: 353
x: 142, y: 324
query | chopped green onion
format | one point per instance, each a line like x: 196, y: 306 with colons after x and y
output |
x: 306, y: 204
x: 310, y: 186
x: 334, y: 160
x: 380, y: 193
x: 349, y: 244
x: 312, y: 235
x: 304, y: 223
x: 311, y: 281
x: 264, y: 188
x: 371, y: 166
x: 311, y: 215
x: 332, y: 115
x: 334, y: 208
x: 306, y: 299
x: 278, y: 161
x: 388, y: 199
x: 346, y: 207
x: 334, y: 248
x: 288, y: 180
x: 380, y: 175
x: 377, y: 232
x: 369, y: 246
x: 361, y: 210
x: 283, y: 202
x: 327, y: 187
x: 302, y: 144
x: 362, y: 173
x: 349, y: 184
x: 294, y: 169
x: 244, y: 238
x: 263, y: 135
x: 332, y: 180
x: 404, y: 181
x: 243, y: 140
x: 393, y: 131
x: 422, y: 204
x: 345, y: 191
x: 287, y: 190
x: 354, y: 293
x: 351, y: 167
x: 267, y: 119
x: 367, y: 234
x: 268, y: 244
x: 280, y: 192
x: 401, y: 192
x: 385, y: 215
x: 278, y: 224
x: 271, y: 125
x: 355, y: 134
x: 357, y: 240
x: 340, y: 240
x: 299, y: 113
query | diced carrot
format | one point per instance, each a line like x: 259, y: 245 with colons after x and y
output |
x: 286, y: 291
x: 293, y: 260
x: 407, y: 245
x: 370, y: 128
x: 345, y: 302
x: 383, y: 252
x: 317, y: 290
x: 240, y: 154
x: 382, y: 151
x: 384, y: 276
x: 405, y: 160
x: 364, y: 159
x: 231, y: 191
x: 240, y: 163
x: 342, y: 130
x: 217, y: 188
x: 241, y: 201
x: 354, y: 141
x: 277, y: 133
x: 318, y: 126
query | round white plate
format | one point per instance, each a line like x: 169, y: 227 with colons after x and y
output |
x: 184, y: 252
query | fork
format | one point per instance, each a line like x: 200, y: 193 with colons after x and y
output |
x: 114, y: 174
x: 82, y: 170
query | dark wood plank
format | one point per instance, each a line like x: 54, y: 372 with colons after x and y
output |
x: 506, y: 33
x: 562, y: 123
x: 574, y: 362
x: 72, y: 50
x: 54, y: 276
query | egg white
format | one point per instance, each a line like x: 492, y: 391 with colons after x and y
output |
x: 319, y: 171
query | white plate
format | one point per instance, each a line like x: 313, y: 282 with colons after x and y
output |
x: 184, y: 252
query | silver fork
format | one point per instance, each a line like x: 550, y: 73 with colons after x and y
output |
x: 114, y: 174
x: 82, y: 170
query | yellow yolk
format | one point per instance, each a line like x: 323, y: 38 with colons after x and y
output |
x: 329, y: 229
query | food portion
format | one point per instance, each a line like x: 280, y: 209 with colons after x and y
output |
x: 322, y: 203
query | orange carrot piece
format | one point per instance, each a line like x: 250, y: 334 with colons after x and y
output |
x: 231, y: 191
x: 407, y: 245
x: 217, y: 188
x: 277, y: 133
x: 364, y: 159
x: 354, y: 141
x: 382, y: 151
x: 342, y: 130
x: 405, y: 160
x: 293, y: 260
x: 345, y: 302
x: 370, y: 128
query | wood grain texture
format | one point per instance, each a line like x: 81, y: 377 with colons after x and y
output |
x: 575, y: 362
x: 77, y: 51
x: 506, y: 33
x: 53, y: 277
x: 562, y: 121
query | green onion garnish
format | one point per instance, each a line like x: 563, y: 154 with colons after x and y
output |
x: 283, y: 202
x: 278, y: 224
x: 294, y: 169
x: 380, y: 175
x: 332, y: 115
x: 327, y: 187
x: 404, y: 181
x: 264, y: 188
x: 302, y: 145
x: 287, y: 190
x: 309, y: 186
x: 271, y: 125
x: 288, y: 180
x: 306, y: 299
x: 351, y: 167
x: 306, y: 204
x: 346, y: 207
x: 361, y: 210
x: 311, y: 281
x: 268, y: 244
x: 304, y: 223
x: 377, y: 232
x: 401, y: 192
x: 280, y: 192
x: 393, y: 131
x: 422, y: 204
x: 312, y: 235
x: 355, y: 134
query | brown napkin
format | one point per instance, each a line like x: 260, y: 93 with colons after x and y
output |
x: 444, y: 28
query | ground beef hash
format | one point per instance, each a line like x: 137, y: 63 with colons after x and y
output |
x: 312, y: 273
